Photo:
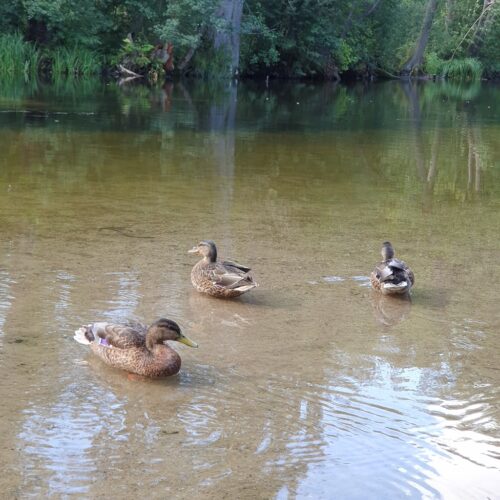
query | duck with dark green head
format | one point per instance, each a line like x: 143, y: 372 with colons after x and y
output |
x: 224, y: 279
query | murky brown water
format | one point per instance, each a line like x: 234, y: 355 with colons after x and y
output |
x: 308, y: 387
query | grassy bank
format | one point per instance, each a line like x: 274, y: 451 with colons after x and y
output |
x: 18, y: 57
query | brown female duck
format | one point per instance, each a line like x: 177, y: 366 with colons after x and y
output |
x: 391, y: 276
x: 221, y: 279
x: 136, y: 348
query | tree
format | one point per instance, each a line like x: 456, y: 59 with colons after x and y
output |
x: 418, y: 54
x: 227, y: 32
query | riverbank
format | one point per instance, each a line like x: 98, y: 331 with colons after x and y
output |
x: 156, y: 63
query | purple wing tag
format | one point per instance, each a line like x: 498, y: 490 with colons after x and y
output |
x: 103, y: 342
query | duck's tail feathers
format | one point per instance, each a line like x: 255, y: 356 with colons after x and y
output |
x: 245, y: 288
x: 84, y: 335
x: 402, y: 286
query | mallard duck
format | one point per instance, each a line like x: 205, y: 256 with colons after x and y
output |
x: 135, y: 347
x: 391, y: 276
x: 221, y: 279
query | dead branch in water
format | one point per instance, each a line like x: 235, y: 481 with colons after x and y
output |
x: 126, y: 71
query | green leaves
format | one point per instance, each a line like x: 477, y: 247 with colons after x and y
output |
x: 290, y: 38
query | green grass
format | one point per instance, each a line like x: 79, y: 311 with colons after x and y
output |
x: 74, y: 61
x: 468, y: 69
x: 18, y: 57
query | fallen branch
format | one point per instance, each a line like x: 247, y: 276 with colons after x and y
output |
x: 123, y: 81
x: 386, y: 73
x: 126, y: 71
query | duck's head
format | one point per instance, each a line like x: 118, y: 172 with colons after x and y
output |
x: 207, y: 249
x: 166, y: 329
x: 387, y: 251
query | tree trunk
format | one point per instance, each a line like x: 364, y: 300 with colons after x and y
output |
x: 227, y: 37
x: 416, y: 59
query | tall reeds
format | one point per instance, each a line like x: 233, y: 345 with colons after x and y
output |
x: 75, y: 61
x: 18, y: 57
x: 468, y: 69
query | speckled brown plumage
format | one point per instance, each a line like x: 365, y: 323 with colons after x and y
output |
x: 137, y: 349
x: 162, y: 361
x: 391, y: 276
x: 224, y: 279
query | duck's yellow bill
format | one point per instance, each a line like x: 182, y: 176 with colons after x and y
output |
x: 193, y: 250
x: 187, y: 341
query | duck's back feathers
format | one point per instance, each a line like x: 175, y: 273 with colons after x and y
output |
x: 122, y: 336
x: 392, y: 277
x: 222, y: 279
x: 116, y: 335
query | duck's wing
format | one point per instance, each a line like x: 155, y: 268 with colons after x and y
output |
x: 122, y: 336
x: 400, y: 266
x: 230, y: 263
x: 388, y: 269
x: 229, y: 276
x: 397, y: 264
x: 383, y: 272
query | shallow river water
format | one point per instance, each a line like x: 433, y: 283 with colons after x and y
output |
x: 309, y: 386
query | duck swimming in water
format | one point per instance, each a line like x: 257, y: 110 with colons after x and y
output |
x: 136, y: 348
x: 224, y: 279
x: 391, y: 276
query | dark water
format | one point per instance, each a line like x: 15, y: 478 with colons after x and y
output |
x: 309, y: 386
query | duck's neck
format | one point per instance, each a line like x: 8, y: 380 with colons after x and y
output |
x: 152, y: 338
x: 387, y: 254
x: 211, y: 256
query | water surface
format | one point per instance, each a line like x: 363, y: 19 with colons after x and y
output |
x: 308, y: 387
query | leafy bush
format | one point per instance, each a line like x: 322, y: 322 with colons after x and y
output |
x: 138, y: 56
x: 433, y: 64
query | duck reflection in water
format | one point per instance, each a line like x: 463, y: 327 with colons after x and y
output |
x: 389, y: 311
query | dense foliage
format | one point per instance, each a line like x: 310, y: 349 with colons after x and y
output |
x: 284, y: 38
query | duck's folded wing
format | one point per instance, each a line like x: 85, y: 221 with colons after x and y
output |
x: 383, y: 272
x: 230, y: 263
x: 229, y: 276
x: 397, y: 264
x: 120, y: 336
